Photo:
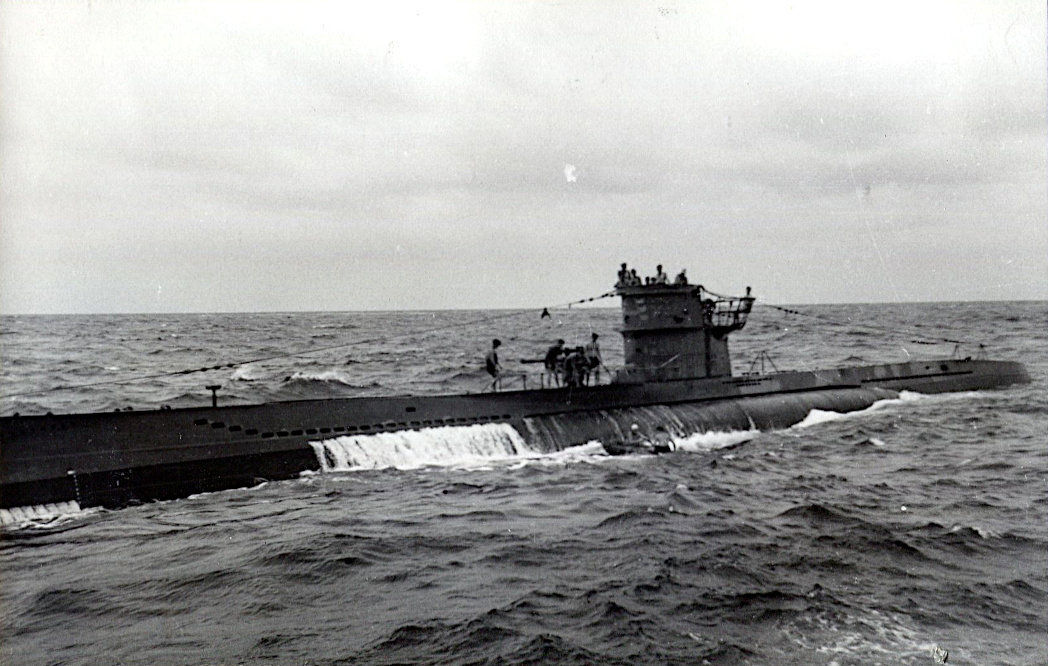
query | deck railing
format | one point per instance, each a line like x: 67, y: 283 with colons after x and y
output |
x: 511, y: 381
x: 730, y: 313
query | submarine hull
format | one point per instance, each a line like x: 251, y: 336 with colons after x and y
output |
x: 120, y: 458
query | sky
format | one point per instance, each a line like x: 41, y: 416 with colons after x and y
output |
x: 287, y: 156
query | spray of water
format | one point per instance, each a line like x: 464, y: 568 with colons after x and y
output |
x: 41, y: 514
x: 411, y: 449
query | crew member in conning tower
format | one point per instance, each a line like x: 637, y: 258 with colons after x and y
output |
x: 624, y: 277
x: 660, y: 276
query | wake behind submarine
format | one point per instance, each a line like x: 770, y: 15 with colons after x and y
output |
x: 677, y: 371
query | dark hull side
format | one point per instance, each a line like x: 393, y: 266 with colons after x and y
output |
x: 115, y: 459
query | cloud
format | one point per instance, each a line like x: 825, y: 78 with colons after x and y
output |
x: 706, y: 134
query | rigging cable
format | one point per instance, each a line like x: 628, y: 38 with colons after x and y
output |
x: 304, y: 352
x: 927, y: 340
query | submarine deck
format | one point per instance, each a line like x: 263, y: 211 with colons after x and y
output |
x: 115, y: 458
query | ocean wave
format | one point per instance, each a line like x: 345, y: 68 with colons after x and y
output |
x: 865, y: 540
x: 462, y: 488
x: 713, y: 440
x: 470, y: 374
x: 819, y: 416
x: 588, y: 452
x: 184, y: 399
x: 180, y: 590
x: 74, y: 603
x: 817, y: 513
x: 328, y: 378
x: 325, y: 376
x: 458, y: 446
x: 679, y: 500
x: 482, y: 639
x: 861, y: 637
x: 246, y: 373
x: 43, y: 516
x: 977, y: 538
x: 315, y: 563
x: 758, y: 606
x: 871, y: 442
x: 478, y: 515
x: 635, y: 516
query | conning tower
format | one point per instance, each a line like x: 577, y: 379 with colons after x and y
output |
x: 678, y: 331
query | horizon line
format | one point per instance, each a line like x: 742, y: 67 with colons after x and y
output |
x: 495, y: 309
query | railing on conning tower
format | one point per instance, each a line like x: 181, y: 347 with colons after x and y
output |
x: 677, y: 331
x: 724, y: 313
x: 727, y: 313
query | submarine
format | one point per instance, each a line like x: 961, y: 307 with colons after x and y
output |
x: 677, y: 370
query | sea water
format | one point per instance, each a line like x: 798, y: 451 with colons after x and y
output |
x: 888, y: 536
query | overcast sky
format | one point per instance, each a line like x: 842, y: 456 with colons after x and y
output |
x: 246, y: 156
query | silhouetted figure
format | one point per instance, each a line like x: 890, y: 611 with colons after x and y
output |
x: 709, y: 307
x: 574, y: 367
x: 660, y: 277
x: 553, y: 361
x: 545, y: 314
x: 491, y: 363
x: 624, y: 277
x: 593, y: 359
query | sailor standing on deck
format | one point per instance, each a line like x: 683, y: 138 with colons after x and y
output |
x: 575, y: 367
x: 491, y: 363
x: 553, y: 361
x: 593, y: 359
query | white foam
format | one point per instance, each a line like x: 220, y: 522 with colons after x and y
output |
x: 589, y: 452
x: 984, y: 533
x: 225, y: 491
x: 453, y: 446
x: 246, y: 373
x: 715, y: 439
x: 872, y: 636
x: 326, y: 376
x: 39, y: 514
x: 912, y: 396
x: 818, y: 416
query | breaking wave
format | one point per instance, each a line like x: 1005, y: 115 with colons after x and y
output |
x: 412, y: 449
x: 327, y: 376
x: 246, y: 373
x: 818, y: 416
x: 41, y: 515
x: 704, y: 442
